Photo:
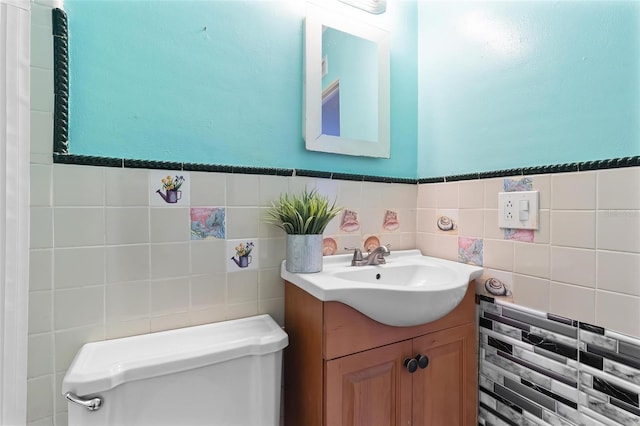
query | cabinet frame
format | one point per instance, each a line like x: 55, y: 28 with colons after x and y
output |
x: 323, y: 331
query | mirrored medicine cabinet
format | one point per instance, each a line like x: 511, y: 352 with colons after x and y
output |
x: 346, y: 85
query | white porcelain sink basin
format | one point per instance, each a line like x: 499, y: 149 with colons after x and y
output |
x: 410, y: 289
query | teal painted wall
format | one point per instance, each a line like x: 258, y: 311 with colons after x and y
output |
x: 526, y: 83
x: 479, y: 86
x: 149, y: 81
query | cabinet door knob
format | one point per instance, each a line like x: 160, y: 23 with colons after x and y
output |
x: 422, y: 360
x: 411, y: 364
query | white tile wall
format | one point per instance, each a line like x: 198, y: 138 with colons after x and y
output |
x: 531, y: 259
x: 573, y: 266
x: 107, y: 264
x: 127, y: 301
x: 86, y: 303
x: 169, y: 260
x: 130, y: 225
x: 78, y: 185
x: 573, y: 228
x: 39, y: 365
x: 77, y: 227
x: 209, y: 291
x: 531, y: 292
x: 573, y: 191
x: 126, y: 187
x: 584, y: 261
x: 41, y: 135
x: 40, y: 401
x: 471, y: 222
x: 498, y: 254
x: 208, y: 257
x: 618, y: 189
x: 543, y: 235
x: 618, y: 230
x: 40, y: 309
x: 491, y: 229
x: 78, y: 267
x: 491, y: 189
x: 573, y: 301
x: 169, y: 296
x: 619, y: 312
x: 447, y: 196
x: 166, y: 224
x: 618, y: 272
x: 127, y: 263
x: 426, y: 220
x: 41, y: 89
x: 471, y: 194
x: 542, y: 184
x: 40, y: 270
x: 40, y: 194
x: 41, y: 227
x: 208, y: 190
x: 426, y: 196
x: 242, y: 190
x: 243, y: 222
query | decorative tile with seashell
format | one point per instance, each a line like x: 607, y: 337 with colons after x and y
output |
x: 370, y: 243
x: 447, y: 221
x: 349, y: 221
x: 390, y: 222
x: 495, y: 283
x: 329, y: 246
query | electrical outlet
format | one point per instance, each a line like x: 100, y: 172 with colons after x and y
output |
x: 518, y: 210
x: 509, y: 211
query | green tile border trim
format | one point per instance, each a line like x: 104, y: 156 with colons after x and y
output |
x: 60, y: 81
x: 87, y: 160
x: 613, y: 163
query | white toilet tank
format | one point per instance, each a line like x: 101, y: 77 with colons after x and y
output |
x: 221, y: 374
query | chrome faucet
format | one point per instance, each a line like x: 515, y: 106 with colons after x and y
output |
x: 375, y: 257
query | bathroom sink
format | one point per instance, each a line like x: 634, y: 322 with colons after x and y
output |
x: 409, y: 289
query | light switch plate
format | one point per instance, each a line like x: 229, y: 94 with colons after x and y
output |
x: 518, y: 210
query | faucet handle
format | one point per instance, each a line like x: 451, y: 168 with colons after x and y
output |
x: 357, y: 253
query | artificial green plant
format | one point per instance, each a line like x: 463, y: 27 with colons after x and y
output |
x: 307, y: 213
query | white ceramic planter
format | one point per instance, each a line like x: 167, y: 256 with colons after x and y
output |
x: 304, y: 253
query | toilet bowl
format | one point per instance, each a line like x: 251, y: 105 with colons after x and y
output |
x: 222, y: 374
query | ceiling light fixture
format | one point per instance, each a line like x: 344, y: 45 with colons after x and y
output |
x: 372, y: 6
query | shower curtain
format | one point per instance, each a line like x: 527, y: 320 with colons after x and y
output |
x: 14, y: 207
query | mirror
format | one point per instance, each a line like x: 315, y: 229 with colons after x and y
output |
x: 346, y: 86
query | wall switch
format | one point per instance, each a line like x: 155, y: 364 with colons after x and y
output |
x: 518, y: 210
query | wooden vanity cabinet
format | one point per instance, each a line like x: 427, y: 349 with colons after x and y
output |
x: 342, y: 368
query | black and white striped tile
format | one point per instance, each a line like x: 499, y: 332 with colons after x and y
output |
x: 542, y: 369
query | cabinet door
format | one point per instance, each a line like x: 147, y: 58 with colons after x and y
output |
x: 370, y: 388
x: 444, y: 393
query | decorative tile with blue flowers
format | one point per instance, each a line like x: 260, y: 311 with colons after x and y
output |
x: 169, y: 188
x: 242, y: 255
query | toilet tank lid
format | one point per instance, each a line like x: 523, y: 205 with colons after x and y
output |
x: 101, y: 366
